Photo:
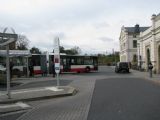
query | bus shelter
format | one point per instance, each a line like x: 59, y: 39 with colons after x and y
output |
x: 19, y: 60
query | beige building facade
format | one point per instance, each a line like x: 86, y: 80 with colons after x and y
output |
x: 149, y: 45
x: 128, y: 39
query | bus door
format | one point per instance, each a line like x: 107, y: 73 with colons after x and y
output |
x: 43, y: 63
x: 66, y: 64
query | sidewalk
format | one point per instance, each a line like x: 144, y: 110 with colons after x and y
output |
x: 154, y: 78
x: 36, y: 94
x: 32, y: 94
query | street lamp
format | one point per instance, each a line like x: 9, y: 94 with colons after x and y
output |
x: 139, y: 56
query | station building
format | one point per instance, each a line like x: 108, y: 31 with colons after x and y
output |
x: 141, y: 45
x: 149, y: 45
x: 128, y: 39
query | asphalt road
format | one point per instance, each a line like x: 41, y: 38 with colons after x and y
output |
x: 125, y: 99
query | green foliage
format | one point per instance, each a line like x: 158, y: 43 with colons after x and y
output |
x: 35, y: 50
x: 73, y: 51
x: 110, y: 59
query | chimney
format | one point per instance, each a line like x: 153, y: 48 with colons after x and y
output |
x: 136, y: 29
x: 153, y: 16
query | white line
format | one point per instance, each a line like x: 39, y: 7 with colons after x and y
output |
x: 53, y: 89
x: 18, y: 104
x: 28, y: 91
x: 23, y: 105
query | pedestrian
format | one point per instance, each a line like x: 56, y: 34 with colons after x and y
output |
x: 150, y: 67
x: 11, y: 69
x: 44, y: 70
x: 31, y: 68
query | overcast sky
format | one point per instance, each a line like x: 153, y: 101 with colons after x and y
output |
x: 93, y: 25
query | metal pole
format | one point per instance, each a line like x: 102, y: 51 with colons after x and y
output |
x: 114, y: 57
x: 57, y: 75
x: 27, y: 68
x: 8, y: 72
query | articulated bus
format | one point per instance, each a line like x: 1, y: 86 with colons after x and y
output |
x: 75, y: 63
x: 69, y: 63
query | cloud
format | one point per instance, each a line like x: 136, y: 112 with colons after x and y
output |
x: 106, y: 39
x: 93, y: 25
x: 101, y: 25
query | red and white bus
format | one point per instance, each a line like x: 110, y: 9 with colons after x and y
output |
x: 69, y: 63
x: 75, y: 63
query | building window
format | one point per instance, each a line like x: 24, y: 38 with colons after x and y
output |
x: 134, y: 43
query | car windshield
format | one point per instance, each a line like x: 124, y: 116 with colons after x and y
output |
x: 124, y: 64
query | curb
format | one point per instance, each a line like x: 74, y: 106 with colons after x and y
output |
x: 72, y: 91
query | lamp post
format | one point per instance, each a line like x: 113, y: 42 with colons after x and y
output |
x: 139, y: 56
x: 8, y: 72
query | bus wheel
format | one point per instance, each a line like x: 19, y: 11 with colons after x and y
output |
x: 87, y: 69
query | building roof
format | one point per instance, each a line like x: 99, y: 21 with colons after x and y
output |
x: 132, y: 29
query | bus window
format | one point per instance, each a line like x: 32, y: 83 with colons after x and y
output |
x: 88, y: 61
x: 61, y: 62
x: 79, y: 61
x: 64, y: 61
x: 72, y: 61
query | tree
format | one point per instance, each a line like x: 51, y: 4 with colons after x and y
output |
x: 109, y: 59
x: 73, y: 51
x: 62, y: 50
x: 22, y: 42
x: 35, y: 50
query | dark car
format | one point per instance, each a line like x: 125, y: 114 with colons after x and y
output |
x: 122, y: 67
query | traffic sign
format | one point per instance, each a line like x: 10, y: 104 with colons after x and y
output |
x: 56, y: 55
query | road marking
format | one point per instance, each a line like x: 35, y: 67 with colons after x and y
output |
x: 36, y: 90
x: 1, y: 94
x: 27, y: 91
x: 53, y: 89
x: 23, y: 105
x: 18, y: 104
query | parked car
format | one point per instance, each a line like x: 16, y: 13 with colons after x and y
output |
x: 122, y: 67
x: 2, y: 68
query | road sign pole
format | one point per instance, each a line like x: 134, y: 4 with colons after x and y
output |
x: 8, y: 72
x: 57, y: 59
x: 57, y: 79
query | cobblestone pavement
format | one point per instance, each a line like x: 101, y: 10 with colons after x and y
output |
x: 70, y: 108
